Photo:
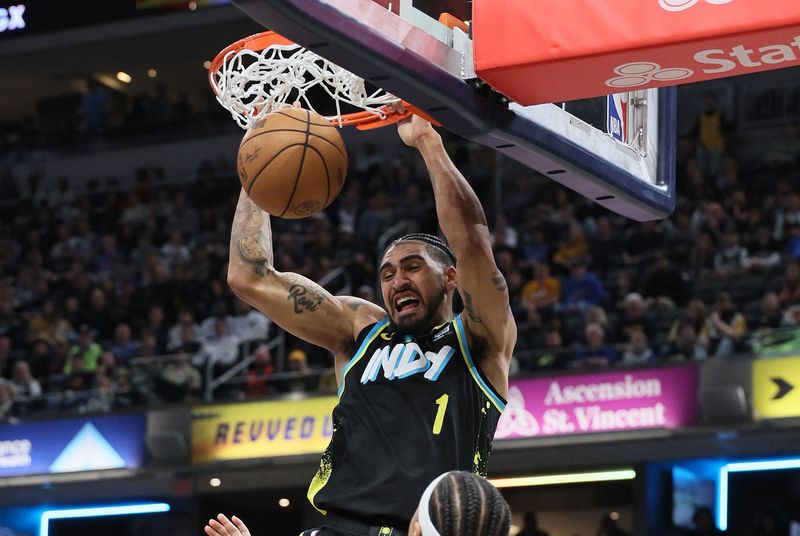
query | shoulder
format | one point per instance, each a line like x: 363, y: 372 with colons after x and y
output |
x: 362, y: 313
x: 362, y: 309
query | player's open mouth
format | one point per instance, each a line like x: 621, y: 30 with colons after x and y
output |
x: 405, y: 303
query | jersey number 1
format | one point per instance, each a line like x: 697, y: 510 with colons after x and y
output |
x: 439, y: 420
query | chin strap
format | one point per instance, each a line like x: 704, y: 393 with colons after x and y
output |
x: 423, y: 512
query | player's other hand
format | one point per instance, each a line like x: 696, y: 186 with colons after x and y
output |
x: 222, y: 526
x: 412, y: 130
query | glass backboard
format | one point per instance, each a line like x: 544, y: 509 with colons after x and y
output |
x: 615, y: 150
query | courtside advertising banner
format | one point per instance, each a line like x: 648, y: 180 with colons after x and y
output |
x: 776, y: 387
x: 68, y: 445
x: 601, y: 402
x: 560, y: 50
x: 261, y: 429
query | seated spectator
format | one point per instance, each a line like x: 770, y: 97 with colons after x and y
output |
x: 75, y: 389
x: 503, y: 233
x: 731, y: 257
x: 302, y: 380
x: 258, y: 382
x: 534, y: 246
x: 635, y: 317
x: 638, y: 351
x: 41, y: 358
x: 726, y: 327
x: 27, y: 389
x: 148, y: 345
x: 158, y: 327
x: 790, y: 291
x: 553, y: 355
x: 101, y: 397
x: 701, y: 256
x: 686, y: 346
x: 109, y: 364
x: 610, y: 527
x: 178, y: 334
x: 123, y: 346
x: 175, y: 252
x: 793, y: 242
x: 543, y: 291
x: 574, y: 248
x: 6, y: 362
x: 582, y: 288
x: 598, y: 315
x: 179, y: 381
x: 531, y: 527
x: 249, y: 324
x: 48, y: 323
x: 86, y: 348
x: 771, y: 521
x: 220, y: 350
x: 99, y: 314
x: 530, y: 335
x: 327, y: 381
x: 764, y: 253
x: 6, y: 401
x: 126, y: 394
x: 787, y: 216
x: 696, y: 314
x: 218, y: 312
x: 771, y: 314
x: 664, y: 284
x: 641, y: 243
x: 704, y: 524
x: 605, y: 246
x: 596, y: 353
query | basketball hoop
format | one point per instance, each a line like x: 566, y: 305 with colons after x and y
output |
x: 265, y: 72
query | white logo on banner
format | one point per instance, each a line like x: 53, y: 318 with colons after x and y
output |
x: 11, y: 18
x: 516, y: 419
x: 643, y: 72
x: 680, y: 5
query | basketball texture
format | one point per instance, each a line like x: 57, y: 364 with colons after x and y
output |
x: 292, y: 163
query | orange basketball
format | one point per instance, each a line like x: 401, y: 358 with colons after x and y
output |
x: 292, y: 163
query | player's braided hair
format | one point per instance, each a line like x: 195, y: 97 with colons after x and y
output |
x: 437, y: 247
x: 465, y: 504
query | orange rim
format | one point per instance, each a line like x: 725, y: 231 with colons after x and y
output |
x: 361, y: 120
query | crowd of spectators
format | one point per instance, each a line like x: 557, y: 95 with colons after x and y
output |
x: 97, y: 282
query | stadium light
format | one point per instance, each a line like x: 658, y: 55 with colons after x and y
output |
x: 99, y: 511
x: 565, y: 478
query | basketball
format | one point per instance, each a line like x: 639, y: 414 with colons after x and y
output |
x: 292, y: 163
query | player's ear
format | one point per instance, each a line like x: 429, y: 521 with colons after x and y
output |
x: 450, y: 278
x: 414, y: 529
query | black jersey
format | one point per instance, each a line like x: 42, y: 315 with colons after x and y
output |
x: 410, y: 408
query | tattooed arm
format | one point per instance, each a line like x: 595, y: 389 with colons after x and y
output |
x: 487, y: 313
x: 294, y: 302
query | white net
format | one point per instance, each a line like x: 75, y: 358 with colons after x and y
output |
x: 251, y: 84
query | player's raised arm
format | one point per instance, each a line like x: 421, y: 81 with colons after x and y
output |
x: 297, y: 304
x: 483, y: 289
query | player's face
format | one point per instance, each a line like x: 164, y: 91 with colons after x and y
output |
x: 413, y: 286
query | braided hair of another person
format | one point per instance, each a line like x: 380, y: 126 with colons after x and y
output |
x: 459, y: 503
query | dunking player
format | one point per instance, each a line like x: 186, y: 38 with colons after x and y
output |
x: 420, y: 391
x: 456, y: 503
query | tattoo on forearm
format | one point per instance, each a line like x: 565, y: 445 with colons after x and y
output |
x: 251, y: 252
x: 499, y: 281
x: 251, y: 236
x: 304, y: 299
x: 473, y: 316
